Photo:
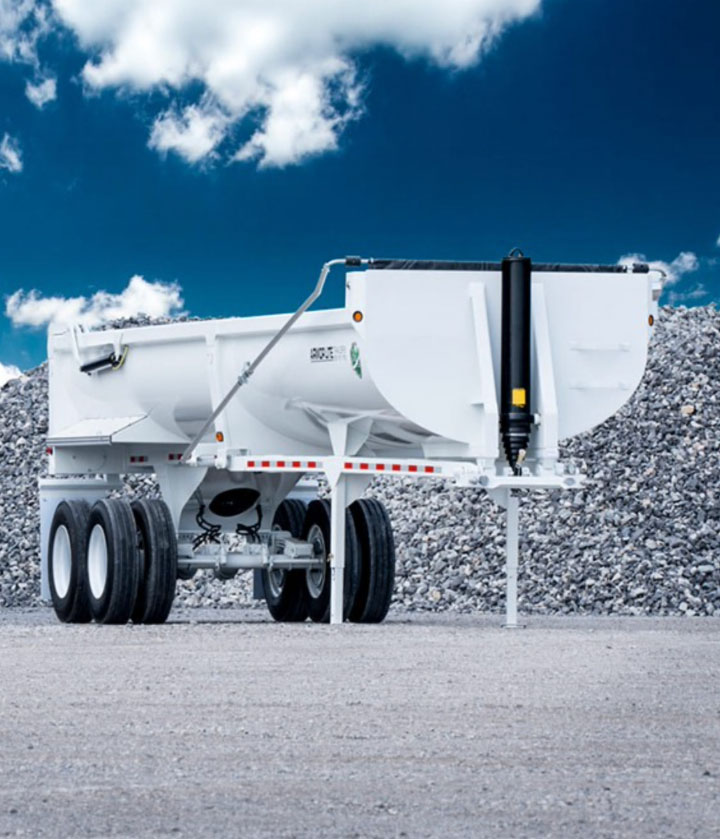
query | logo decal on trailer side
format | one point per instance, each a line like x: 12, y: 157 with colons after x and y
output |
x: 328, y: 354
x: 355, y: 359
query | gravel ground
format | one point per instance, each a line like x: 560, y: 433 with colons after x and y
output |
x: 642, y: 537
x: 221, y: 724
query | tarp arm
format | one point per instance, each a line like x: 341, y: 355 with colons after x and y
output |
x: 251, y: 367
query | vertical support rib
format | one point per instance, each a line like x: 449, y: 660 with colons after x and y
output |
x: 338, y: 504
x: 511, y: 561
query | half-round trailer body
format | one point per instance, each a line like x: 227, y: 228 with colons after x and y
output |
x: 410, y: 367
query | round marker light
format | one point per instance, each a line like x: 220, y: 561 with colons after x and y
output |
x: 219, y: 436
x: 651, y: 320
x: 357, y: 316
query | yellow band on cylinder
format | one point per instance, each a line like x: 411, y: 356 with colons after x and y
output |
x: 519, y: 398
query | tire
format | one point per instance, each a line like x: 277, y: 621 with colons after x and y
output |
x: 285, y: 590
x: 112, y: 566
x: 66, y: 561
x: 377, y: 561
x: 318, y: 583
x: 157, y: 557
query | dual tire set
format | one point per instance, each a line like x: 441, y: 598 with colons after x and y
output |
x: 116, y: 562
x: 112, y: 562
x: 369, y: 576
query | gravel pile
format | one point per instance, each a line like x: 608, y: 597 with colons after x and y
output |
x: 641, y: 537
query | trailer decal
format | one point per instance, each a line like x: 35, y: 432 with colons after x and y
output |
x: 338, y: 353
x: 355, y: 359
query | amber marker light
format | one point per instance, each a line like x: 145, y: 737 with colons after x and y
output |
x: 219, y: 436
x: 651, y: 320
x: 357, y: 316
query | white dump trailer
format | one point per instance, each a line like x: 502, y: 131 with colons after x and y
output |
x: 470, y: 372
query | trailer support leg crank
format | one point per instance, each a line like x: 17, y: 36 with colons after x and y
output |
x: 511, y: 561
x: 338, y: 504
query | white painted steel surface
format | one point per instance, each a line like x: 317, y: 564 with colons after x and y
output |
x: 427, y: 384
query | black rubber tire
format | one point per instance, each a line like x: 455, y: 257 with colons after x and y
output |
x: 318, y: 513
x: 73, y: 606
x: 377, y: 560
x: 290, y: 602
x: 115, y: 601
x: 157, y: 555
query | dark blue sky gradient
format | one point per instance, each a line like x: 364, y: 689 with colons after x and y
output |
x: 588, y: 132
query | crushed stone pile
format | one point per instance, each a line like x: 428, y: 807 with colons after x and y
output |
x: 641, y: 537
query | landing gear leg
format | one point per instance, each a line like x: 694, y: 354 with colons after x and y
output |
x: 511, y: 561
x: 338, y: 504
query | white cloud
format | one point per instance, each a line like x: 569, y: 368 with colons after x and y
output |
x: 193, y: 133
x: 10, y: 155
x: 139, y: 297
x: 280, y: 75
x: 692, y: 295
x: 7, y: 372
x: 42, y: 92
x: 22, y: 24
x: 686, y: 262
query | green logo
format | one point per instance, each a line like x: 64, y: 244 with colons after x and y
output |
x: 355, y: 359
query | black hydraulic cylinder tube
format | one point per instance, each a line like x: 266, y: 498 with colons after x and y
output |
x: 99, y: 364
x: 515, y: 387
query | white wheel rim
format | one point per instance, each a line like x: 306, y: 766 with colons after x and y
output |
x: 62, y: 561
x: 315, y: 577
x: 97, y: 561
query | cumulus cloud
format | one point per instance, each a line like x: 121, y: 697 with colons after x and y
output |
x: 10, y: 154
x: 41, y: 92
x: 22, y: 24
x: 7, y: 372
x: 278, y: 77
x: 686, y: 262
x: 139, y: 297
x: 193, y: 133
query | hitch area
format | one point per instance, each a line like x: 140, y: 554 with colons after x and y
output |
x: 271, y: 549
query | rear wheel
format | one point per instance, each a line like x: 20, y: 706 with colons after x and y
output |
x: 66, y: 561
x: 318, y: 579
x: 377, y: 558
x: 285, y: 589
x: 112, y: 567
x: 157, y: 557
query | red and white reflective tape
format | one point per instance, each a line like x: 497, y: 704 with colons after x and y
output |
x: 284, y: 464
x: 260, y: 464
x: 414, y: 468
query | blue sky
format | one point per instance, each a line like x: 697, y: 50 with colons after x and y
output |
x: 579, y: 131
